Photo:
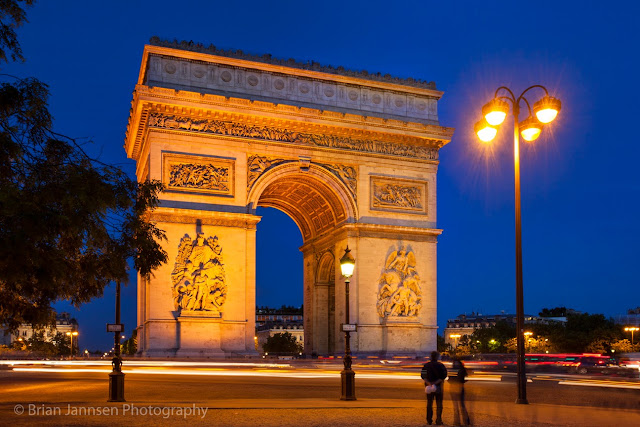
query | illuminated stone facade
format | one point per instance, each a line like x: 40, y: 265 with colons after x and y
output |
x: 351, y: 158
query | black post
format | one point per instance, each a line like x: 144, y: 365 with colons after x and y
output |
x: 116, y: 377
x: 522, y: 374
x: 347, y: 375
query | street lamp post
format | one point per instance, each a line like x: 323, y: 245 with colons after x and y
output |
x: 544, y: 111
x: 455, y: 337
x: 631, y: 329
x: 71, y: 335
x: 116, y: 377
x: 348, y: 377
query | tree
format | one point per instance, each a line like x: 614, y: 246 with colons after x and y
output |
x: 623, y: 346
x: 554, y: 312
x: 62, y: 343
x: 37, y: 344
x: 130, y: 346
x: 441, y: 345
x: 492, y: 339
x: 68, y: 223
x: 282, y: 343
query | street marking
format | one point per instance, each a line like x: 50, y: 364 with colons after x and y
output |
x: 594, y: 384
x: 486, y: 378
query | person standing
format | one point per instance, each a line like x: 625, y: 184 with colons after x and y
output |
x: 457, y: 392
x: 434, y: 373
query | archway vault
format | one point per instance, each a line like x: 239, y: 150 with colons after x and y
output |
x: 312, y: 197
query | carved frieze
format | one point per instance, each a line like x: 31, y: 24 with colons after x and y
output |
x: 198, y: 277
x: 397, y: 194
x: 198, y: 174
x: 399, y: 292
x: 220, y: 127
x: 347, y: 174
x: 257, y: 165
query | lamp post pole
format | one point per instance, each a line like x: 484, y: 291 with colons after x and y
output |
x: 347, y: 376
x: 522, y: 374
x: 494, y: 112
x: 116, y: 377
x: 632, y: 329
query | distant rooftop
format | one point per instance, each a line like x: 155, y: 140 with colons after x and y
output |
x: 292, y: 63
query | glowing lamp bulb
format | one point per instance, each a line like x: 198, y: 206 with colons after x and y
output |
x: 530, y: 129
x: 495, y: 111
x: 547, y: 109
x: 495, y: 117
x: 485, y: 131
x: 347, y: 263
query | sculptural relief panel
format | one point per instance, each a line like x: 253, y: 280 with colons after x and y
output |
x: 395, y: 194
x: 270, y: 133
x: 399, y: 294
x: 198, y: 174
x: 198, y: 276
x: 257, y: 165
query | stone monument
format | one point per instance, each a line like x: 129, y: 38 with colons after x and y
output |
x: 351, y: 157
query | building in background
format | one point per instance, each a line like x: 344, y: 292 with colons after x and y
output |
x: 270, y: 321
x: 632, y: 318
x: 64, y: 324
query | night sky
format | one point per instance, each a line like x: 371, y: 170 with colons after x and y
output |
x: 580, y: 185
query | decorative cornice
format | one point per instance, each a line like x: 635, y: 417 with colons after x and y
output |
x: 187, y: 216
x: 292, y: 63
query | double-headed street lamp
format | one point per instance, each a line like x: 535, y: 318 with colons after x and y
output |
x: 348, y: 377
x: 71, y: 335
x: 455, y: 337
x: 631, y: 329
x: 544, y: 111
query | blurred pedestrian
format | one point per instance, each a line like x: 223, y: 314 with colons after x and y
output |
x: 434, y: 373
x: 457, y: 392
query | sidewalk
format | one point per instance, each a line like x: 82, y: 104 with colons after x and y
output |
x: 303, y: 412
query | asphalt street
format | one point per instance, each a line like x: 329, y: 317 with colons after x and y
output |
x: 287, y: 396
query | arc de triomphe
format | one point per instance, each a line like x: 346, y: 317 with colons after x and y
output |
x: 351, y: 157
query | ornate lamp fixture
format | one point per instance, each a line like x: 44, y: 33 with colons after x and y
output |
x: 348, y: 377
x: 494, y: 113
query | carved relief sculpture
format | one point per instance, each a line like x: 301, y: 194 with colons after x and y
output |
x: 395, y: 194
x: 347, y: 174
x: 257, y: 165
x: 207, y: 177
x: 399, y: 294
x: 220, y: 127
x: 198, y: 276
x: 197, y: 174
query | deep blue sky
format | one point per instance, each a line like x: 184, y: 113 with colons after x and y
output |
x: 580, y: 185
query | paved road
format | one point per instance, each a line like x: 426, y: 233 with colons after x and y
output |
x: 283, y: 396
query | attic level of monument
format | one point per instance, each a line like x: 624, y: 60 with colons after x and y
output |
x: 290, y: 63
x: 207, y: 73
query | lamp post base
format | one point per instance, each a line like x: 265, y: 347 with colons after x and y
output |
x: 520, y: 401
x: 348, y: 377
x: 116, y: 387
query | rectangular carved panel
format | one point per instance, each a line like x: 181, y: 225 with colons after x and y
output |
x: 396, y: 194
x: 198, y: 174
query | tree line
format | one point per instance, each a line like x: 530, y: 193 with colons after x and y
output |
x: 581, y: 333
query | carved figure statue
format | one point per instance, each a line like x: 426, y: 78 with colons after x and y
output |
x: 399, y: 294
x: 198, y: 276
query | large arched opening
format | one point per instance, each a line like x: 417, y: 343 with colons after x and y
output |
x: 319, y: 204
